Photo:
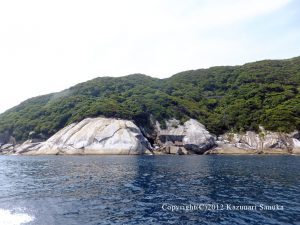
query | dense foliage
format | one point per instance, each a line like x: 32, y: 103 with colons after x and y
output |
x: 225, y: 98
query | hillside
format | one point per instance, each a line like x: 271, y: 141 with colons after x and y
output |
x: 223, y: 98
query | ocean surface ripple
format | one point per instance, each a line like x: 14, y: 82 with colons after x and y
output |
x: 148, y: 189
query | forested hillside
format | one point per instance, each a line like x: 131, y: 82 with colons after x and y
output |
x: 223, y: 98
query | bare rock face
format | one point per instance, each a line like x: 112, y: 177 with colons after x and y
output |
x: 95, y: 136
x: 7, y: 144
x: 6, y: 149
x: 296, y: 149
x: 191, y: 137
x: 252, y: 143
x: 197, y: 138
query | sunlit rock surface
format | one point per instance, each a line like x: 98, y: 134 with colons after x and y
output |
x: 265, y: 142
x: 94, y: 136
x: 190, y: 137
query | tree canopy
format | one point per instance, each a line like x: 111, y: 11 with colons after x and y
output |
x: 236, y: 98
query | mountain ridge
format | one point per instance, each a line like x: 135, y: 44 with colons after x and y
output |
x: 223, y: 98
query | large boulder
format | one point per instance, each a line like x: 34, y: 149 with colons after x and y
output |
x: 191, y: 137
x: 95, y: 136
x: 197, y: 138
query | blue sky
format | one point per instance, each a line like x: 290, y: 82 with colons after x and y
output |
x: 47, y: 46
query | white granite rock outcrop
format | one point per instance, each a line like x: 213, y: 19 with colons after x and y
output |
x: 191, y: 137
x: 296, y: 149
x: 93, y: 136
x: 252, y: 143
x: 116, y: 136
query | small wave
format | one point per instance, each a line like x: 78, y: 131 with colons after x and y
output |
x: 10, y: 218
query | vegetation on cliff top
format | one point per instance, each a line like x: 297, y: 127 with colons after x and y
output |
x: 236, y: 98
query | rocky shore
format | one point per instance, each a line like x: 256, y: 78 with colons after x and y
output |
x: 100, y: 136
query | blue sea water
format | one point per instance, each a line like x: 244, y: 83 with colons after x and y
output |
x: 149, y: 189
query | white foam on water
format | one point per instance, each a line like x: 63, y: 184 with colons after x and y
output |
x: 11, y: 218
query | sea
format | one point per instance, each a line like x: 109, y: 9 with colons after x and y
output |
x: 168, y: 189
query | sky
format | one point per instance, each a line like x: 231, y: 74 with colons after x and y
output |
x: 48, y: 46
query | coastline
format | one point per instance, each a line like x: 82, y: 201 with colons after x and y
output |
x: 113, y: 136
x: 212, y: 152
